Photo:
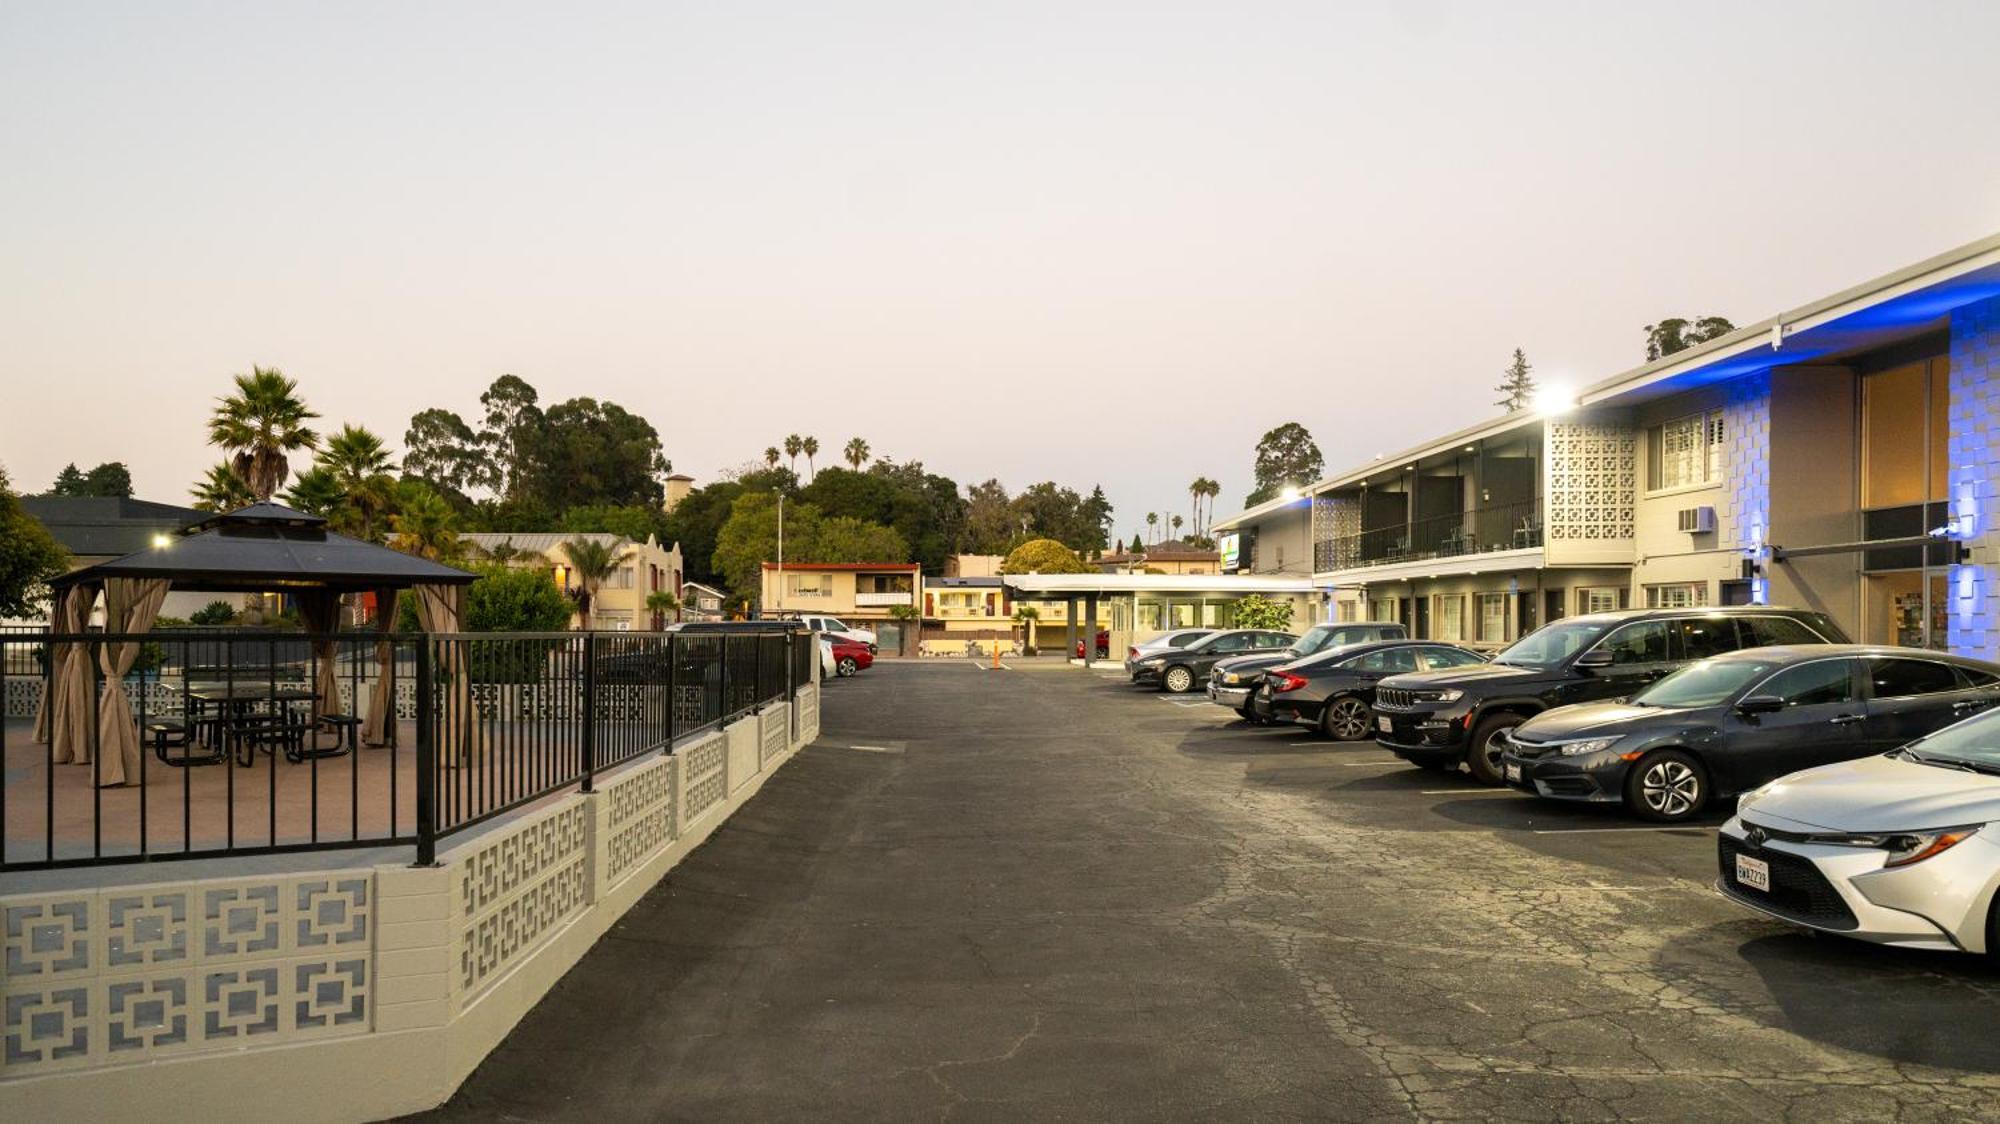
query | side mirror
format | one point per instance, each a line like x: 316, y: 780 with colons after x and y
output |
x: 1596, y: 657
x: 1759, y: 704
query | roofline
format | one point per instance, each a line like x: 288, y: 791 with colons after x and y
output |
x: 838, y: 566
x: 1151, y: 583
x: 1969, y: 258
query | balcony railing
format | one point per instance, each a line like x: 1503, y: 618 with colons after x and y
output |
x: 1513, y: 526
x: 894, y: 597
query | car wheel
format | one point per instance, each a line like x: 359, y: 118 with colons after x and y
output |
x: 1345, y: 719
x: 846, y: 667
x: 1178, y: 680
x: 1249, y: 716
x: 1666, y: 786
x: 1482, y: 757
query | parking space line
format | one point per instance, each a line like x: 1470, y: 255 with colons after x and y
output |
x: 1465, y: 792
x: 1368, y: 764
x: 1611, y: 830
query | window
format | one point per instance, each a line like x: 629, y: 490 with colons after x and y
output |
x: 1765, y: 631
x: 1597, y: 599
x: 1437, y: 658
x: 1493, y: 617
x: 1677, y: 595
x: 1897, y: 678
x: 1686, y: 451
x: 1343, y: 612
x: 1702, y: 637
x: 1274, y: 640
x: 1451, y: 617
x: 1232, y: 642
x: 1382, y: 609
x: 1388, y: 661
x: 621, y: 578
x: 809, y: 585
x: 1812, y: 684
x: 1643, y: 642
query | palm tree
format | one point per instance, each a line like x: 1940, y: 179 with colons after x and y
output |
x: 592, y: 561
x: 811, y: 448
x: 793, y: 446
x: 660, y: 602
x: 1026, y: 616
x: 314, y: 491
x: 360, y: 463
x: 221, y: 490
x: 1152, y: 521
x: 425, y: 525
x: 1176, y: 521
x: 771, y: 456
x: 258, y: 425
x: 1195, y: 492
x: 857, y: 452
x: 502, y: 552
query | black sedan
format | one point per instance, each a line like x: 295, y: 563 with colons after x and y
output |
x: 1334, y: 690
x: 1725, y: 725
x: 1180, y: 670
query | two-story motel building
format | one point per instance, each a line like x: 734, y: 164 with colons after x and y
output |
x: 1842, y: 456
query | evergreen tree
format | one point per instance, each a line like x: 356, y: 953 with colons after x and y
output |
x: 1517, y: 384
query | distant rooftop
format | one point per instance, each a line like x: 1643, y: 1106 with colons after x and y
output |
x: 108, y: 526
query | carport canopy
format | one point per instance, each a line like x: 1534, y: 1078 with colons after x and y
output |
x: 1090, y: 588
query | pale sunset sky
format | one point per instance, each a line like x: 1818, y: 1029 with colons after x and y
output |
x: 1098, y: 243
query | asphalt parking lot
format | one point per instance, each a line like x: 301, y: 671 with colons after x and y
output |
x: 993, y: 894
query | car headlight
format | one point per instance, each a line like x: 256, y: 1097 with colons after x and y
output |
x: 1903, y: 847
x: 1444, y: 695
x: 1231, y: 677
x: 1586, y: 746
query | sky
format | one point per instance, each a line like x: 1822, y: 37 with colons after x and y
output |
x: 1096, y: 243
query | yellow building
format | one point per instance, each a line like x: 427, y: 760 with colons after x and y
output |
x: 620, y: 602
x: 882, y: 597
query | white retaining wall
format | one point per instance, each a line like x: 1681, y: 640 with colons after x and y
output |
x: 351, y: 994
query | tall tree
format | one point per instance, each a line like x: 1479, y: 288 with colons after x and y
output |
x: 513, y: 418
x: 359, y: 463
x: 1152, y: 525
x: 29, y: 557
x: 258, y: 425
x: 441, y: 449
x: 696, y: 521
x: 989, y: 519
x: 810, y: 446
x: 793, y: 445
x: 110, y: 479
x: 1678, y: 334
x: 1286, y: 457
x: 425, y: 524
x: 315, y: 492
x: 221, y: 490
x: 1050, y: 511
x: 1176, y: 521
x: 593, y: 561
x: 771, y: 455
x: 1517, y: 384
x: 749, y: 538
x: 1097, y: 512
x: 588, y: 452
x: 856, y: 453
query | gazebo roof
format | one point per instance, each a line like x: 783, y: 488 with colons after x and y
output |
x: 268, y: 546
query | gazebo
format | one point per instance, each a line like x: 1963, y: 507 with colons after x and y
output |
x: 263, y: 548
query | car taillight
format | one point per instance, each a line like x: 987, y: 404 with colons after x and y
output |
x: 1131, y: 653
x: 1282, y: 681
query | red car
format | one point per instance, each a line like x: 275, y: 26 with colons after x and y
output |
x: 1103, y: 645
x: 850, y: 656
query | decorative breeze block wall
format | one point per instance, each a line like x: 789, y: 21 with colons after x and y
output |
x: 775, y: 730
x: 516, y: 889
x: 1743, y: 517
x: 1593, y: 476
x: 1336, y: 532
x: 707, y: 775
x: 1975, y: 476
x: 639, y: 816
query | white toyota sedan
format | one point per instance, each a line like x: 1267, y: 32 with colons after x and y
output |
x: 1901, y: 848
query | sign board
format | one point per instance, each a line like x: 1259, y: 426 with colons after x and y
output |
x: 1230, y: 544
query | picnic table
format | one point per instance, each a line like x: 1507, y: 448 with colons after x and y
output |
x: 242, y: 718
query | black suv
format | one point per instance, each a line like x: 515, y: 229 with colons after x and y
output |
x: 1435, y: 719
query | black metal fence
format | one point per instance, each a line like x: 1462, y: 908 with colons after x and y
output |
x: 238, y: 742
x: 1510, y: 526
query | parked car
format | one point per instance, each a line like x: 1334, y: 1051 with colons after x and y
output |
x: 1231, y: 681
x: 833, y: 626
x: 829, y: 667
x: 1436, y: 719
x: 1103, y: 645
x: 1180, y: 670
x: 1334, y: 690
x: 1177, y: 638
x: 1728, y: 724
x: 1901, y: 848
x: 850, y: 657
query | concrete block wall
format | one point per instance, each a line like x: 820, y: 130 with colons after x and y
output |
x: 1743, y: 517
x: 1974, y: 454
x: 380, y: 987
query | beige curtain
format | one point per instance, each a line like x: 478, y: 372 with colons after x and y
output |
x: 69, y: 710
x: 130, y: 605
x: 440, y: 610
x: 319, y: 609
x: 377, y: 729
x: 68, y: 613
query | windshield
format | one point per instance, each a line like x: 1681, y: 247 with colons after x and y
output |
x: 1550, y: 646
x: 1974, y: 742
x: 1708, y: 683
x: 1316, y: 638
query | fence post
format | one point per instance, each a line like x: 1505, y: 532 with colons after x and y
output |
x: 426, y: 757
x: 589, y: 738
x: 722, y: 667
x: 757, y: 671
x: 673, y: 692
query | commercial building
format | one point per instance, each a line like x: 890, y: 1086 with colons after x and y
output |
x: 1171, y: 557
x: 880, y: 596
x: 1840, y: 456
x: 619, y: 604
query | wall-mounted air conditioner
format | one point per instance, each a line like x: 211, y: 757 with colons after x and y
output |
x: 1697, y: 520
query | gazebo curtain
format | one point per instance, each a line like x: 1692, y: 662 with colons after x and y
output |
x: 441, y: 609
x: 130, y: 606
x: 319, y: 609
x: 377, y: 728
x: 64, y: 718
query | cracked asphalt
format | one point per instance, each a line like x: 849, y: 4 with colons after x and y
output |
x: 1041, y: 892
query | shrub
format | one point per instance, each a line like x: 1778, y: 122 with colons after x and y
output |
x: 1258, y: 611
x: 213, y: 614
x: 1043, y: 556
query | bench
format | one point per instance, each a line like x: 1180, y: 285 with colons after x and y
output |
x: 175, y: 733
x: 346, y: 731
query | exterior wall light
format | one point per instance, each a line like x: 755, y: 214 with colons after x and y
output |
x: 162, y: 542
x: 1554, y: 399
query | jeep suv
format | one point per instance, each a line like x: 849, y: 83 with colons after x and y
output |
x: 1435, y: 719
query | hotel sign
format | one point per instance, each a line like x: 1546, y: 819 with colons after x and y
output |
x: 1230, y: 545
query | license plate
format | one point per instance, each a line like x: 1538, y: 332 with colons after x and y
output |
x: 1384, y: 725
x: 1753, y: 874
x: 1513, y: 772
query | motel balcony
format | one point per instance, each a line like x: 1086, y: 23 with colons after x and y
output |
x: 884, y: 599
